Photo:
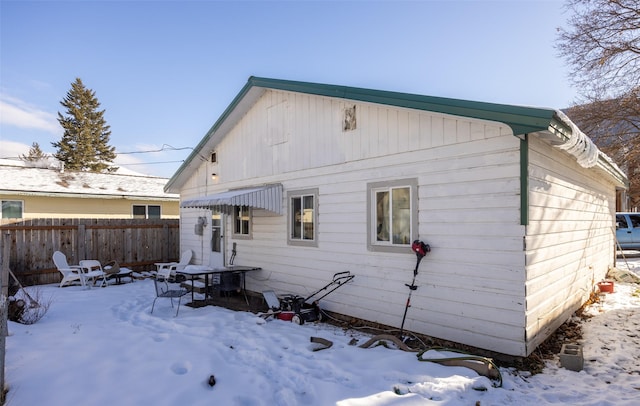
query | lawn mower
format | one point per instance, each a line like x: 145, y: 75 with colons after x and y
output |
x: 300, y: 309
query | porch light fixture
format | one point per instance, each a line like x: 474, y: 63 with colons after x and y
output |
x: 214, y: 176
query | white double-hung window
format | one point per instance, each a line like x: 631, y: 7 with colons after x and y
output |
x: 242, y: 222
x: 303, y: 217
x: 393, y: 215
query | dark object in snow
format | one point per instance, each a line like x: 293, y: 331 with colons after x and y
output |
x: 482, y: 365
x: 323, y: 342
x: 212, y: 380
x: 384, y: 337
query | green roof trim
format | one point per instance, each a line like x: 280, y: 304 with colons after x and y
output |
x: 522, y: 120
x: 524, y: 180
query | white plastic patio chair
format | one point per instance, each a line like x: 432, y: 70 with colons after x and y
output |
x: 70, y: 273
x: 92, y: 271
x: 167, y: 290
x: 185, y: 259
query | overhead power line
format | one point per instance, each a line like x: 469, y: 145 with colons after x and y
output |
x: 165, y: 147
x: 149, y: 163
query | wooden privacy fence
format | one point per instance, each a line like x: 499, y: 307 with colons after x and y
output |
x: 135, y: 243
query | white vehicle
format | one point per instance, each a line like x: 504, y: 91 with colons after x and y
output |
x: 628, y: 230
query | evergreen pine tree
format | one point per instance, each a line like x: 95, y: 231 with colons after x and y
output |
x: 85, y: 143
x: 35, y: 154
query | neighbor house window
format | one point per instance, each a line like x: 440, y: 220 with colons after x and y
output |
x: 393, y: 215
x: 143, y: 211
x: 12, y: 209
x: 303, y: 217
x: 241, y: 221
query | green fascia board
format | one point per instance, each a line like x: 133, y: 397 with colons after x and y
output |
x: 522, y: 120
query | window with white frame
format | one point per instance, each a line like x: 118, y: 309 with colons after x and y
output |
x: 12, y: 209
x: 242, y: 221
x: 146, y: 211
x: 303, y: 217
x: 393, y: 215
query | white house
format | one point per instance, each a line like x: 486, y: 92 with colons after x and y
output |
x: 307, y: 180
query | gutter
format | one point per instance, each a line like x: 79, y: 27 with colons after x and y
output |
x: 562, y: 133
x: 571, y: 139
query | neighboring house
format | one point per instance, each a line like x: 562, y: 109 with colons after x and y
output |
x: 306, y: 180
x: 36, y: 192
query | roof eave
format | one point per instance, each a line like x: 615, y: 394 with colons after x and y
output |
x: 222, y: 122
x: 522, y: 120
x: 559, y: 132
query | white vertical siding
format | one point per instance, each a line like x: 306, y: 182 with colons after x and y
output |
x: 570, y: 237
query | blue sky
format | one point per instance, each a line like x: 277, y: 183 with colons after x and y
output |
x: 164, y: 71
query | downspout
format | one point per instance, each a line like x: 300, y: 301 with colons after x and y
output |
x: 524, y: 217
x: 524, y: 180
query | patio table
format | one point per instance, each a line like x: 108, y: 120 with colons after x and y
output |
x: 195, y: 271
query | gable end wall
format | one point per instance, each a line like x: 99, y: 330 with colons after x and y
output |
x: 570, y: 237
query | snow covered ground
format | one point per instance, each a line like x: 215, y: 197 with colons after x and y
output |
x: 103, y: 347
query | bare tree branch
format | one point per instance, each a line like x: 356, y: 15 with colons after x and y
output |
x: 602, y: 45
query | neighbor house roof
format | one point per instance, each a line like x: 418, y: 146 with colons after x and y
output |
x: 522, y: 120
x: 29, y: 181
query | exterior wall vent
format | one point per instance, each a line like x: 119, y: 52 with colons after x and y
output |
x: 349, y: 122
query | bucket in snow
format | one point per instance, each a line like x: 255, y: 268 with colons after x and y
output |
x: 605, y: 286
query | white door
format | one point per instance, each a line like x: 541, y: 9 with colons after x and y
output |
x: 216, y: 259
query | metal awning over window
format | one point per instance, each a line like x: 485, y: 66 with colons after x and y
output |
x: 267, y: 197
